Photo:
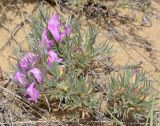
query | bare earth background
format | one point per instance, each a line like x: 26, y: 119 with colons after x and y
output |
x: 120, y: 57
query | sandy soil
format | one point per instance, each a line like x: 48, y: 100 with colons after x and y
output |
x: 13, y: 19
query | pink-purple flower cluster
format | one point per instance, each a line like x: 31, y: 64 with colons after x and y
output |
x: 26, y: 68
x: 55, y: 29
x: 28, y: 64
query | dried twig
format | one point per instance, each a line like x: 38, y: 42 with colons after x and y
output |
x: 49, y: 107
x: 21, y: 100
x: 68, y: 122
x: 18, y: 98
x: 1, y: 74
x: 109, y: 69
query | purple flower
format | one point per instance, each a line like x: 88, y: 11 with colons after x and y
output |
x: 53, y: 57
x: 32, y: 93
x: 28, y: 60
x: 66, y: 32
x: 45, y: 41
x: 54, y: 26
x: 37, y: 74
x: 20, y: 78
x: 23, y: 64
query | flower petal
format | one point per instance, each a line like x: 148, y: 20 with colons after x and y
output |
x: 33, y: 93
x: 66, y: 32
x: 28, y: 60
x: 23, y: 64
x: 20, y: 78
x: 54, y: 26
x: 45, y: 41
x: 37, y: 74
x: 53, y: 57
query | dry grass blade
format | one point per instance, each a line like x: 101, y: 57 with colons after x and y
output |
x: 20, y: 99
x: 49, y: 107
x: 115, y: 119
x: 1, y: 74
x: 151, y: 115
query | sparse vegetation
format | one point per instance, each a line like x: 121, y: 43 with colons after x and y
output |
x: 68, y: 72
